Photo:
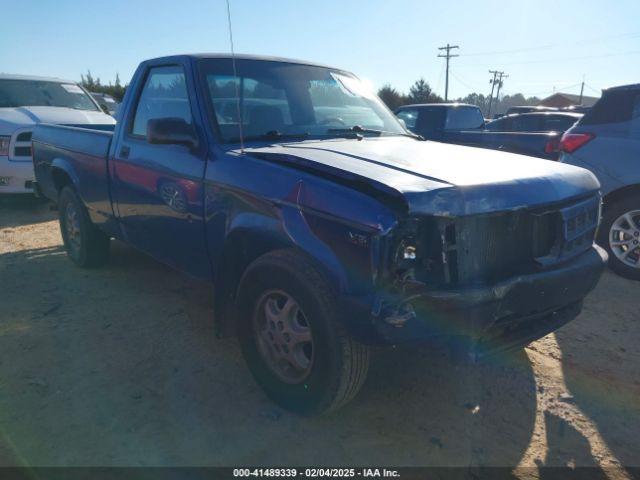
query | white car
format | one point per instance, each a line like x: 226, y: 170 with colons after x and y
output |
x: 26, y: 101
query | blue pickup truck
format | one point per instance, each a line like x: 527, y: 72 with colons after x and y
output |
x: 324, y: 225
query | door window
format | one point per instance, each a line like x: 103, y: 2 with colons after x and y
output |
x: 525, y: 123
x: 500, y: 125
x: 464, y: 118
x: 430, y: 121
x: 615, y: 106
x: 164, y: 96
x: 409, y: 117
x: 557, y: 123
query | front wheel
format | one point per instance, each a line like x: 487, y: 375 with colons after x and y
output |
x: 86, y: 245
x: 619, y: 234
x: 292, y: 338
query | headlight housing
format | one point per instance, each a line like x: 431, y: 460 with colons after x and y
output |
x: 4, y: 145
x: 416, y: 251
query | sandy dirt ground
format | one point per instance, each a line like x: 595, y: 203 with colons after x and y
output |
x: 120, y: 366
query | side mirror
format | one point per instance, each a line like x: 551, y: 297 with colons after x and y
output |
x: 104, y: 108
x: 171, y: 131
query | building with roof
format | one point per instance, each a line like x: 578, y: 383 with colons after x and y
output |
x: 561, y: 100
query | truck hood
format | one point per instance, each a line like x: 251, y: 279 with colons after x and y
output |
x: 13, y: 118
x: 437, y: 178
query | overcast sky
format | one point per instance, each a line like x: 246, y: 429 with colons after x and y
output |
x: 541, y: 45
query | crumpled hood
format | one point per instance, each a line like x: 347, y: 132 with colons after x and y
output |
x: 441, y: 179
x: 13, y: 118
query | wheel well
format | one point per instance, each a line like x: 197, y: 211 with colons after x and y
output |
x: 621, y: 193
x: 240, y: 250
x: 60, y: 178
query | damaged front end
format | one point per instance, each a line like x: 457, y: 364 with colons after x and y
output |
x: 497, y: 280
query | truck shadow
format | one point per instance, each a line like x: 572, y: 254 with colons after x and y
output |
x: 126, y: 355
x: 603, y: 338
x: 17, y: 210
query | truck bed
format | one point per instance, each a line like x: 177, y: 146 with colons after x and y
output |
x: 78, y: 155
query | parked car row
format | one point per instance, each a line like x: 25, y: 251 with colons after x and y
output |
x: 535, y: 134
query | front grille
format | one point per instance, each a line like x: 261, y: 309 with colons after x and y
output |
x: 576, y: 227
x: 486, y: 249
x: 489, y: 248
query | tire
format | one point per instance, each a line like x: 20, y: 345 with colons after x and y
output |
x: 610, y: 230
x: 86, y: 245
x: 337, y: 365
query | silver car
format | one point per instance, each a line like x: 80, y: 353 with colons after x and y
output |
x: 607, y: 142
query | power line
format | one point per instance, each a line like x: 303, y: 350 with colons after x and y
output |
x: 448, y: 56
x: 599, y: 92
x: 546, y: 92
x: 506, y: 52
x: 463, y: 82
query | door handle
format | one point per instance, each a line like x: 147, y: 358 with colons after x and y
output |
x: 124, y: 152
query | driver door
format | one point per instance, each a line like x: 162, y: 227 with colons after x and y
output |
x: 158, y: 188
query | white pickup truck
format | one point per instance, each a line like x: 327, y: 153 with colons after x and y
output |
x: 26, y: 101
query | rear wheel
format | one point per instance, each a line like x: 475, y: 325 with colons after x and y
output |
x: 292, y: 338
x: 619, y: 234
x: 86, y: 245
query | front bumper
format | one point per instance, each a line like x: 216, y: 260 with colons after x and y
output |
x: 20, y: 175
x: 509, y: 314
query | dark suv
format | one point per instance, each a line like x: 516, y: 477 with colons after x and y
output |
x: 607, y: 142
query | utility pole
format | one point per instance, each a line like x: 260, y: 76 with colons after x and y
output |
x: 501, y: 75
x: 448, y: 55
x: 496, y: 80
x: 493, y: 84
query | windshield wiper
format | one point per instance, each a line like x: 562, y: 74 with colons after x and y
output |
x: 410, y: 135
x: 358, y: 129
x: 271, y: 135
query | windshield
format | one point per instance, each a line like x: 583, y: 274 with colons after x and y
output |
x: 281, y: 99
x: 38, y: 93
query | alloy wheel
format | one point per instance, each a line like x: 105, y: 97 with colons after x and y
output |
x: 283, y: 336
x: 624, y: 238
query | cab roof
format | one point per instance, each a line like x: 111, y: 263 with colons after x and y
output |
x: 242, y: 57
